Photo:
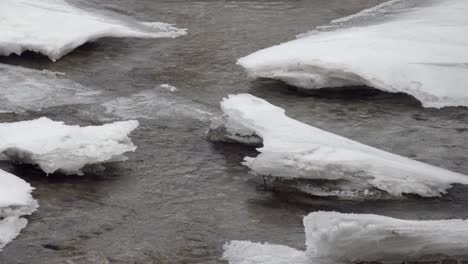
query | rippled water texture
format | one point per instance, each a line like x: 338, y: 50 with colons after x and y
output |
x: 179, y: 198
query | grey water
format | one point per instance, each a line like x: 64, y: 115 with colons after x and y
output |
x: 179, y: 197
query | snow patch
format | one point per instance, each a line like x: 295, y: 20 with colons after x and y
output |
x: 294, y: 150
x: 420, y: 49
x: 54, y: 146
x: 54, y: 27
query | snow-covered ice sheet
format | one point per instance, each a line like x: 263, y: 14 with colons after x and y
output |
x: 23, y: 89
x: 15, y: 201
x: 294, y: 150
x: 54, y: 27
x: 419, y: 48
x: 54, y: 146
x: 346, y: 238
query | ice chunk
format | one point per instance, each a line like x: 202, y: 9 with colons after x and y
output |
x: 246, y: 252
x: 336, y: 238
x: 54, y: 27
x: 15, y: 201
x: 168, y: 87
x: 14, y: 192
x: 23, y: 89
x: 294, y: 150
x: 342, y: 237
x: 418, y: 49
x: 55, y: 146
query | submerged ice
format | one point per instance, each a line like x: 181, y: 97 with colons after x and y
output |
x: 15, y: 201
x: 418, y: 48
x: 159, y: 102
x: 346, y: 238
x: 54, y: 146
x: 23, y: 89
x: 54, y: 27
x: 294, y: 150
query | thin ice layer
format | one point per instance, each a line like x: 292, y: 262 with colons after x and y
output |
x: 55, y: 146
x: 419, y: 49
x: 54, y: 27
x: 15, y: 201
x: 292, y: 149
x: 349, y: 238
x: 23, y: 89
x: 342, y: 237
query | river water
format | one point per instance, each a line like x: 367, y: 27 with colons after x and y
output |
x: 179, y: 198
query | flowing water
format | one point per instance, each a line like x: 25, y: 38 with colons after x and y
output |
x: 179, y: 198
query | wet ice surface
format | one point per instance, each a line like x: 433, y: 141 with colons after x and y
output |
x: 179, y: 198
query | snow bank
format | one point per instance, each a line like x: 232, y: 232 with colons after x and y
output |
x: 23, y: 89
x: 55, y: 146
x: 419, y: 48
x: 15, y: 201
x: 294, y: 150
x: 348, y: 238
x: 54, y: 27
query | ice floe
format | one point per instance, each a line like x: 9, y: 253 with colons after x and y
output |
x: 54, y: 27
x: 15, y: 201
x: 417, y: 47
x: 348, y: 238
x: 54, y: 146
x: 332, y: 165
x: 23, y: 89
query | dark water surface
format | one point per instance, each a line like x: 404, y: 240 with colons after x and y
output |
x: 179, y: 198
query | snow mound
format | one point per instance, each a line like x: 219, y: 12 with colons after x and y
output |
x: 54, y: 146
x: 23, y: 89
x: 15, y: 201
x: 336, y: 238
x: 294, y: 150
x: 418, y: 49
x: 54, y: 27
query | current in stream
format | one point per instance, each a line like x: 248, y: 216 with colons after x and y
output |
x: 179, y: 197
